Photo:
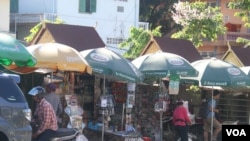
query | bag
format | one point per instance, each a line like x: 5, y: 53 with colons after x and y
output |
x: 204, y: 110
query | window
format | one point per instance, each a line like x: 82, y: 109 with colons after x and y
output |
x: 248, y: 30
x: 212, y: 4
x: 120, y: 9
x: 227, y: 5
x: 10, y: 91
x: 207, y: 54
x: 143, y: 25
x: 114, y: 40
x: 14, y: 6
x: 87, y: 6
x: 237, y: 6
x: 226, y: 18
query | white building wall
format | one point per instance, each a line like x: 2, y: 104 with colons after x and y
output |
x: 108, y: 22
x: 36, y: 6
x: 4, y: 14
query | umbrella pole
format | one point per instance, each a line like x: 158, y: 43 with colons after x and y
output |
x: 103, y: 111
x: 51, y: 78
x: 161, y: 112
x: 104, y: 91
x: 123, y: 108
x: 160, y: 85
x: 161, y: 128
x: 103, y: 125
x: 211, y: 130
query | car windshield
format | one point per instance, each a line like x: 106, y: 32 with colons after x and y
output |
x: 9, y: 91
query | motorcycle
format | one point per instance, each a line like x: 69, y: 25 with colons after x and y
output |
x: 62, y: 134
x: 74, y: 133
x: 71, y: 133
x: 65, y: 134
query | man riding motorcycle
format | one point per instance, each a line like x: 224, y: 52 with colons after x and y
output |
x: 45, y: 115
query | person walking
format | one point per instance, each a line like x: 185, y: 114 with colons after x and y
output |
x: 208, y: 124
x: 54, y: 100
x: 45, y: 114
x: 181, y: 121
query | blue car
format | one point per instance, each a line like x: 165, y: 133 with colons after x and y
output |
x: 15, y: 114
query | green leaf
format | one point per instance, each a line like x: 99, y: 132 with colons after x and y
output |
x: 137, y: 41
x: 197, y: 15
x: 36, y: 28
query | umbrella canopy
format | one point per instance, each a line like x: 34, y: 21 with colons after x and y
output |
x: 108, y: 64
x: 216, y: 72
x: 12, y: 51
x: 58, y: 57
x: 111, y: 65
x: 161, y: 64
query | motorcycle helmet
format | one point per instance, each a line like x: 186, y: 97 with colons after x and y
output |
x: 37, y: 91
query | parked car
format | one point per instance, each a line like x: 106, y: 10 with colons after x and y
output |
x: 15, y: 114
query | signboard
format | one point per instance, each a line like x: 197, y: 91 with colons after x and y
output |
x: 174, y: 83
x: 161, y: 106
x: 174, y: 87
x: 130, y: 95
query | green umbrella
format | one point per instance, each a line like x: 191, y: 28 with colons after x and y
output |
x: 12, y: 51
x: 161, y: 64
x: 111, y: 65
x: 218, y: 74
x: 215, y: 72
x: 157, y: 65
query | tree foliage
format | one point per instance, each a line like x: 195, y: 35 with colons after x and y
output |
x: 158, y: 13
x: 199, y: 21
x: 37, y: 27
x: 138, y: 39
x: 243, y: 13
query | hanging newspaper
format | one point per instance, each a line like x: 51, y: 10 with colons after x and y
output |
x: 161, y: 106
x: 174, y: 87
x: 131, y: 95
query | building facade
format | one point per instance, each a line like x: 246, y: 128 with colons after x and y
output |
x: 112, y: 19
x: 235, y: 29
x: 4, y: 14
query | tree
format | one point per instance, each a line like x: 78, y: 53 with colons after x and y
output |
x: 137, y: 41
x: 244, y: 6
x: 37, y: 27
x: 199, y: 21
x: 158, y: 13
